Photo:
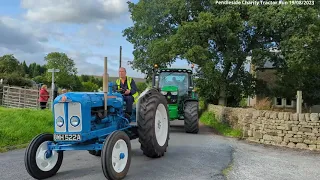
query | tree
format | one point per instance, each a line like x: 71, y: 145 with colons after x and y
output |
x: 212, y: 36
x: 84, y: 78
x: 218, y: 38
x: 35, y: 70
x: 64, y: 78
x: 295, y: 32
x: 90, y: 86
x: 41, y: 79
x: 25, y: 68
x: 9, y: 64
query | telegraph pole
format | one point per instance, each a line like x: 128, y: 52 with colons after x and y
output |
x: 120, y: 57
x: 52, y: 86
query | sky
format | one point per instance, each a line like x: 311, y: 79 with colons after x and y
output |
x: 86, y: 30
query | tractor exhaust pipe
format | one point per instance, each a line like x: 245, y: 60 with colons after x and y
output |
x: 105, y: 85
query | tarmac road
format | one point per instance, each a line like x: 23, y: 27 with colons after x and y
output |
x: 190, y: 157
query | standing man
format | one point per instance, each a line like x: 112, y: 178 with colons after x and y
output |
x: 130, y: 90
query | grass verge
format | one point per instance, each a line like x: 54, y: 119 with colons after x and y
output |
x: 209, y: 119
x: 19, y: 126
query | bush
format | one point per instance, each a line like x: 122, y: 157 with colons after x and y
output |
x: 263, y: 104
x: 141, y: 86
x: 208, y: 118
x: 15, y: 80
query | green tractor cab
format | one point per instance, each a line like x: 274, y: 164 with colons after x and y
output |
x: 178, y: 88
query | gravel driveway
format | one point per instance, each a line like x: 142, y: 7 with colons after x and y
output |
x: 263, y: 162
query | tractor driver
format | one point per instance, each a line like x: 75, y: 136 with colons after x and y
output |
x: 127, y: 84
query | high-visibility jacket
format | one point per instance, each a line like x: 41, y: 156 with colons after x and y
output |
x: 129, y: 79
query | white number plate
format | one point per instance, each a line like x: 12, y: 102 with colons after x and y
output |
x: 67, y: 137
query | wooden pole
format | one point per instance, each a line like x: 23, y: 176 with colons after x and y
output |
x: 120, y: 57
x: 105, y: 84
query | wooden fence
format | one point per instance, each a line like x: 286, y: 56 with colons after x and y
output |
x: 1, y: 93
x: 18, y: 97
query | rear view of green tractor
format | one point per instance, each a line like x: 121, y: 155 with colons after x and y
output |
x: 177, y: 86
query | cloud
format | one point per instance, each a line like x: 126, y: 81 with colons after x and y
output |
x: 73, y: 11
x: 86, y: 31
x: 15, y: 39
x: 91, y: 63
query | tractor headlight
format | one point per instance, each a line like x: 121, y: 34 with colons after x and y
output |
x: 75, y: 121
x: 60, y: 121
x: 174, y: 93
x: 164, y: 92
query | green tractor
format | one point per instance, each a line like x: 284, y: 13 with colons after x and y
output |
x: 178, y: 88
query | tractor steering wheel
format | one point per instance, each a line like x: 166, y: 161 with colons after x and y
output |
x: 121, y: 91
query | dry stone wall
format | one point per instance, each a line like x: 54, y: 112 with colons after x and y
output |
x: 269, y: 127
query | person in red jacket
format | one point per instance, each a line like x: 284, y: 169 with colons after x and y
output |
x: 43, y: 97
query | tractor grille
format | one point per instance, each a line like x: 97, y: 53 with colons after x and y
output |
x: 66, y: 111
x: 171, y: 99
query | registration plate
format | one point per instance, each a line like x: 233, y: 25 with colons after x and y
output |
x: 67, y: 137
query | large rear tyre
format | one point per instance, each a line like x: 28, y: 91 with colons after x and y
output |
x: 191, y: 121
x: 153, y: 124
x: 116, y: 156
x: 39, y: 161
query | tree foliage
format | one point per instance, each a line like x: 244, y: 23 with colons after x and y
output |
x: 218, y: 38
x: 18, y: 73
x: 9, y: 64
x: 213, y: 37
x: 89, y: 86
x: 295, y: 31
x: 66, y: 76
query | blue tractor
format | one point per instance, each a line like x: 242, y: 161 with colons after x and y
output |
x: 95, y: 122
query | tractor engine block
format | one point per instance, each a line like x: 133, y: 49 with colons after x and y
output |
x: 84, y: 112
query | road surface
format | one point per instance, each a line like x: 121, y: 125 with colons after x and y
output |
x: 191, y: 157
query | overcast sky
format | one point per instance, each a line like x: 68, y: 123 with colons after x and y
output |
x: 86, y: 30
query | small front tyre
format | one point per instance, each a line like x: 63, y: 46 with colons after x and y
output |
x: 191, y: 121
x: 116, y: 156
x: 39, y: 161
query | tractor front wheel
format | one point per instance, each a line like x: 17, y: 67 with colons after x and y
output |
x: 153, y: 124
x: 116, y: 155
x: 40, y: 162
x: 191, y: 120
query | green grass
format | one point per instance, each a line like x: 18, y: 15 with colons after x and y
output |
x: 209, y: 119
x: 226, y: 171
x: 19, y: 126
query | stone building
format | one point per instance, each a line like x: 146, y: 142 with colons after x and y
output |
x: 267, y: 73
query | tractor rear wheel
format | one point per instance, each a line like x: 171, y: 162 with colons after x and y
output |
x: 191, y: 120
x: 40, y: 162
x: 153, y: 124
x: 116, y: 155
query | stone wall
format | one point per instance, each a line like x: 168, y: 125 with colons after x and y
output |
x: 270, y: 127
